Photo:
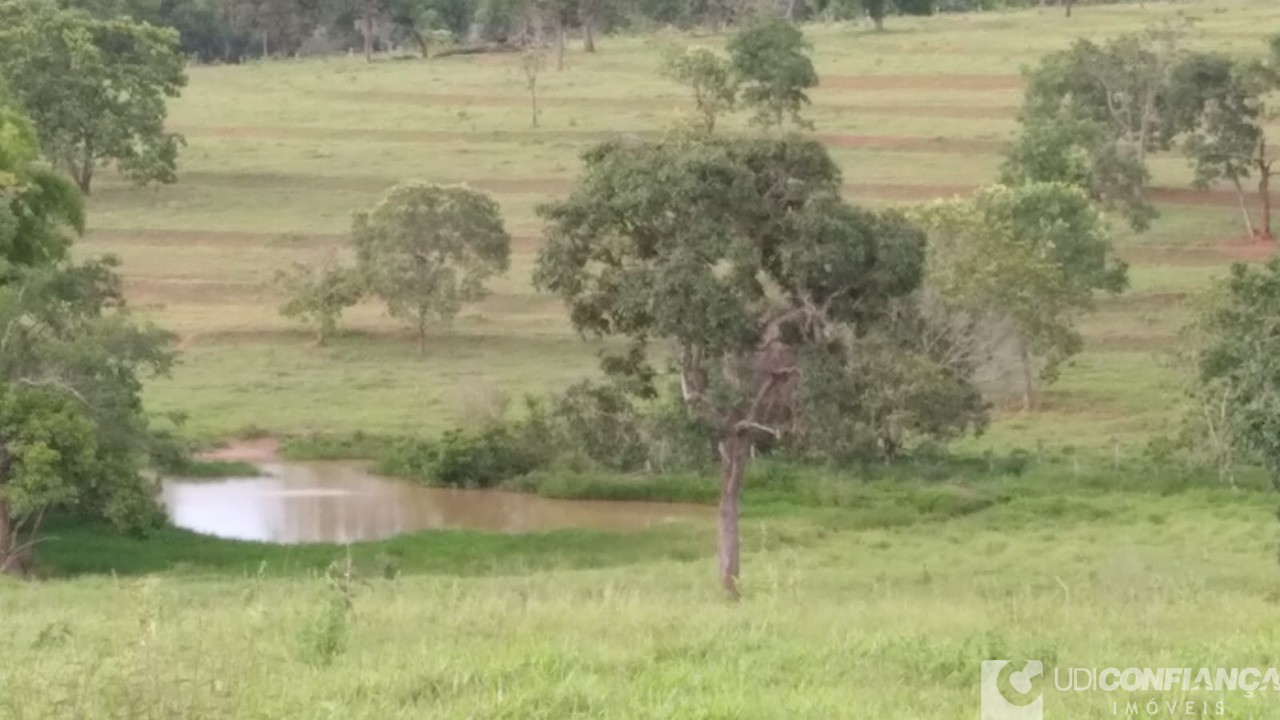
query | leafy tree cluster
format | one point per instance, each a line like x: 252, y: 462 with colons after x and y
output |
x: 73, y: 434
x: 1094, y: 113
x: 96, y: 89
x: 767, y: 69
x: 424, y: 250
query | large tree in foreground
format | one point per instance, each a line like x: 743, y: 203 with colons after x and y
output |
x: 427, y: 249
x: 72, y: 431
x: 742, y: 258
x: 95, y: 89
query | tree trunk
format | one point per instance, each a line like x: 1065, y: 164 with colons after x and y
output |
x: 265, y: 46
x: 588, y: 32
x: 533, y: 100
x: 368, y: 30
x: 1028, y: 378
x: 1244, y: 209
x: 1264, y: 193
x: 12, y: 559
x: 422, y: 336
x: 422, y: 44
x: 559, y: 45
x: 735, y: 454
x: 879, y: 21
x: 1069, y: 3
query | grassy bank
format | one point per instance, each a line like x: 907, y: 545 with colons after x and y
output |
x: 847, y: 613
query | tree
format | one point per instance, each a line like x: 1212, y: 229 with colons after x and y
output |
x: 1092, y: 113
x: 742, y: 257
x: 72, y: 428
x: 1224, y: 102
x: 96, y: 89
x: 1236, y: 362
x: 317, y: 295
x: 532, y: 61
x: 770, y: 63
x: 1034, y: 255
x: 876, y: 10
x: 710, y: 78
x: 426, y: 249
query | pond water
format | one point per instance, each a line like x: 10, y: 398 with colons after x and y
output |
x: 343, y: 502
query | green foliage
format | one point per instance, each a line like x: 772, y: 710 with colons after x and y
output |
x: 1092, y: 113
x: 900, y: 387
x: 460, y: 458
x: 39, y: 211
x: 1223, y: 103
x: 710, y: 78
x: 1236, y: 351
x: 317, y: 295
x: 426, y: 250
x: 1033, y: 254
x: 95, y: 89
x: 770, y: 63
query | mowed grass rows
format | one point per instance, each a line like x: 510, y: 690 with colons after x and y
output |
x: 280, y: 154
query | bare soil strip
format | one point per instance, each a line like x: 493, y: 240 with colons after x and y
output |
x: 257, y: 450
x: 964, y: 146
x: 463, y: 100
x: 977, y: 83
x: 179, y: 238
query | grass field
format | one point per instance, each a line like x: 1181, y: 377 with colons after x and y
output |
x: 280, y: 154
x: 864, y: 598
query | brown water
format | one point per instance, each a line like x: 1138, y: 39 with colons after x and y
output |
x: 342, y: 502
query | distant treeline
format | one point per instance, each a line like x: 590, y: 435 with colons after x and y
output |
x: 234, y: 30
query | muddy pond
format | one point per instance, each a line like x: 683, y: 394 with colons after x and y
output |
x: 342, y: 502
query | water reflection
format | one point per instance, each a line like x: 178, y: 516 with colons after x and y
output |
x: 342, y: 502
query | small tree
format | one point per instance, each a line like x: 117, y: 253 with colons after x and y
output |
x: 1225, y: 102
x: 770, y: 63
x: 1237, y: 365
x: 710, y: 78
x: 532, y: 61
x: 317, y: 295
x: 96, y: 89
x: 427, y: 249
x: 741, y: 255
x: 1033, y: 254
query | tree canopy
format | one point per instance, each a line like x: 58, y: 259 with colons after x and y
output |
x: 770, y: 62
x: 72, y: 429
x: 95, y: 89
x: 426, y: 250
x: 1093, y: 112
x: 741, y: 256
x: 1223, y: 104
x: 1033, y: 255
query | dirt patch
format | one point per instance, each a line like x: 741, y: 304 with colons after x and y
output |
x: 191, y: 291
x: 400, y: 136
x: 898, y: 143
x: 905, y: 192
x: 1130, y: 342
x: 921, y: 82
x: 1245, y: 250
x: 1248, y: 250
x: 257, y: 450
x: 465, y: 100
x: 184, y: 238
